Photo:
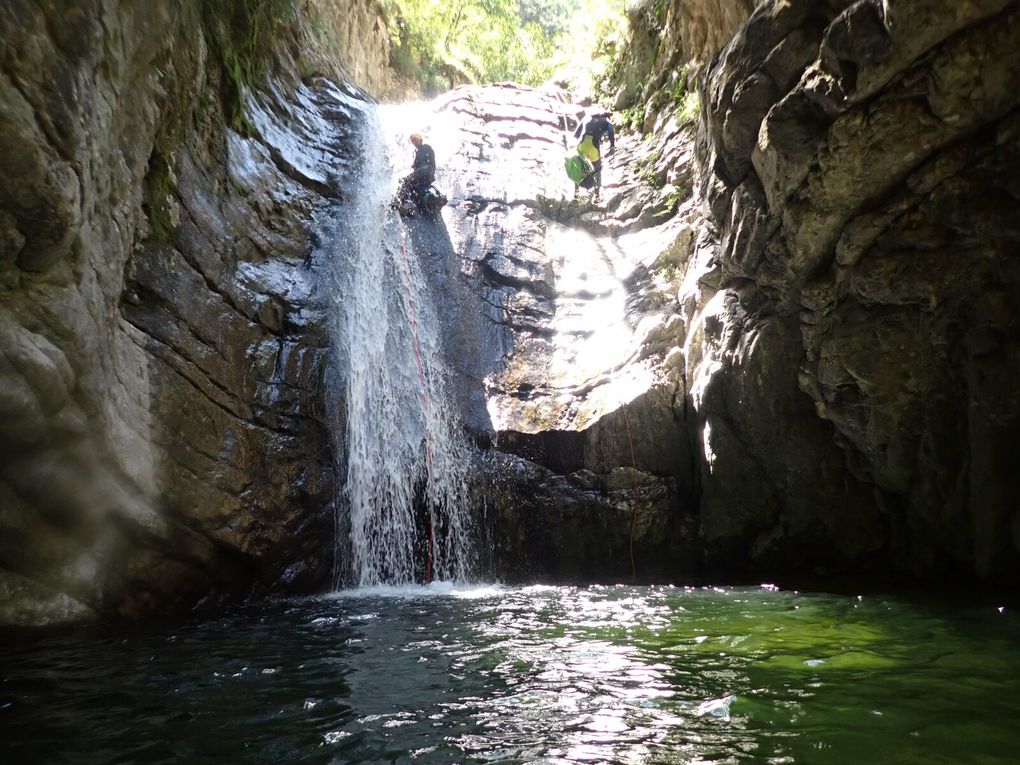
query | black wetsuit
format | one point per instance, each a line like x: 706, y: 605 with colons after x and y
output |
x: 598, y: 127
x: 423, y: 170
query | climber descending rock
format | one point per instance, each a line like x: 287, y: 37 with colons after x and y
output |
x: 416, y: 194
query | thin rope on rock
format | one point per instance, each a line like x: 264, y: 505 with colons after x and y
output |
x: 424, y: 391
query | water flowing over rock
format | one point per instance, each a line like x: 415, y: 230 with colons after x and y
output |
x: 404, y: 512
x: 162, y: 428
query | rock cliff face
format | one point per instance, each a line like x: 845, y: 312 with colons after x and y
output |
x: 161, y: 422
x: 821, y: 343
x: 784, y: 343
x: 697, y: 30
x: 568, y: 355
x: 352, y: 38
x: 862, y: 179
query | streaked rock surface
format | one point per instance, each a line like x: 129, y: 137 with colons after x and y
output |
x: 161, y: 420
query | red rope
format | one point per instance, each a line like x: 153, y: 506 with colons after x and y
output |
x: 424, y: 391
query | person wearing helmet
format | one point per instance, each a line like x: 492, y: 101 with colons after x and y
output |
x: 591, y: 131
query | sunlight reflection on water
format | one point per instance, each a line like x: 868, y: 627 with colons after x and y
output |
x: 482, y: 674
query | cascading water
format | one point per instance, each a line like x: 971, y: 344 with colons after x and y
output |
x: 403, y: 511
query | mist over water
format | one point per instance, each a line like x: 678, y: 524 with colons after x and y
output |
x: 403, y: 513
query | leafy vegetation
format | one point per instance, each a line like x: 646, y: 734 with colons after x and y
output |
x: 242, y: 33
x: 647, y: 171
x: 610, y: 42
x: 443, y: 42
x: 159, y: 187
x: 684, y: 94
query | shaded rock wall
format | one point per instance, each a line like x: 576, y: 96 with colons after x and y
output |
x: 856, y: 361
x: 353, y: 36
x: 161, y: 422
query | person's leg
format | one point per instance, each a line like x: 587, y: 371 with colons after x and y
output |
x: 417, y: 191
x: 421, y: 177
x: 598, y: 179
x: 422, y: 180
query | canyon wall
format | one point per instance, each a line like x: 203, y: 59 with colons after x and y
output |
x: 783, y: 343
x: 863, y: 183
x: 829, y: 246
x: 861, y: 164
x: 162, y: 426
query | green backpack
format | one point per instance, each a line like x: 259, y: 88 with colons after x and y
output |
x: 578, y: 168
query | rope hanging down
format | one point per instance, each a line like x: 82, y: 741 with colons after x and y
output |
x: 424, y: 392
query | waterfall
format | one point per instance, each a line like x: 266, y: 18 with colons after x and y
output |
x: 403, y: 510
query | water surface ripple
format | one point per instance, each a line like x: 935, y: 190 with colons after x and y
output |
x: 528, y: 675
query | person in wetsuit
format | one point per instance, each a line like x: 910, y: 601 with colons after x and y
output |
x: 591, y: 131
x: 423, y: 170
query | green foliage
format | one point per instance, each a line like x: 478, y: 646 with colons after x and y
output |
x: 690, y: 107
x: 608, y: 43
x: 158, y: 188
x: 528, y: 41
x: 668, y: 203
x: 671, y: 273
x: 160, y: 183
x: 242, y: 33
x: 632, y: 118
x: 684, y: 95
x: 647, y: 172
x: 481, y: 40
x: 553, y: 16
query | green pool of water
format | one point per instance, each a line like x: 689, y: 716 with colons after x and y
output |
x: 528, y: 675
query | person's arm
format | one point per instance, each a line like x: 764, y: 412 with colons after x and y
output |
x: 612, y: 136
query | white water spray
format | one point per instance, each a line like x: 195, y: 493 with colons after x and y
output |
x: 404, y: 506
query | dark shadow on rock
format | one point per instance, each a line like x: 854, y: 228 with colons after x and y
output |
x: 465, y: 342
